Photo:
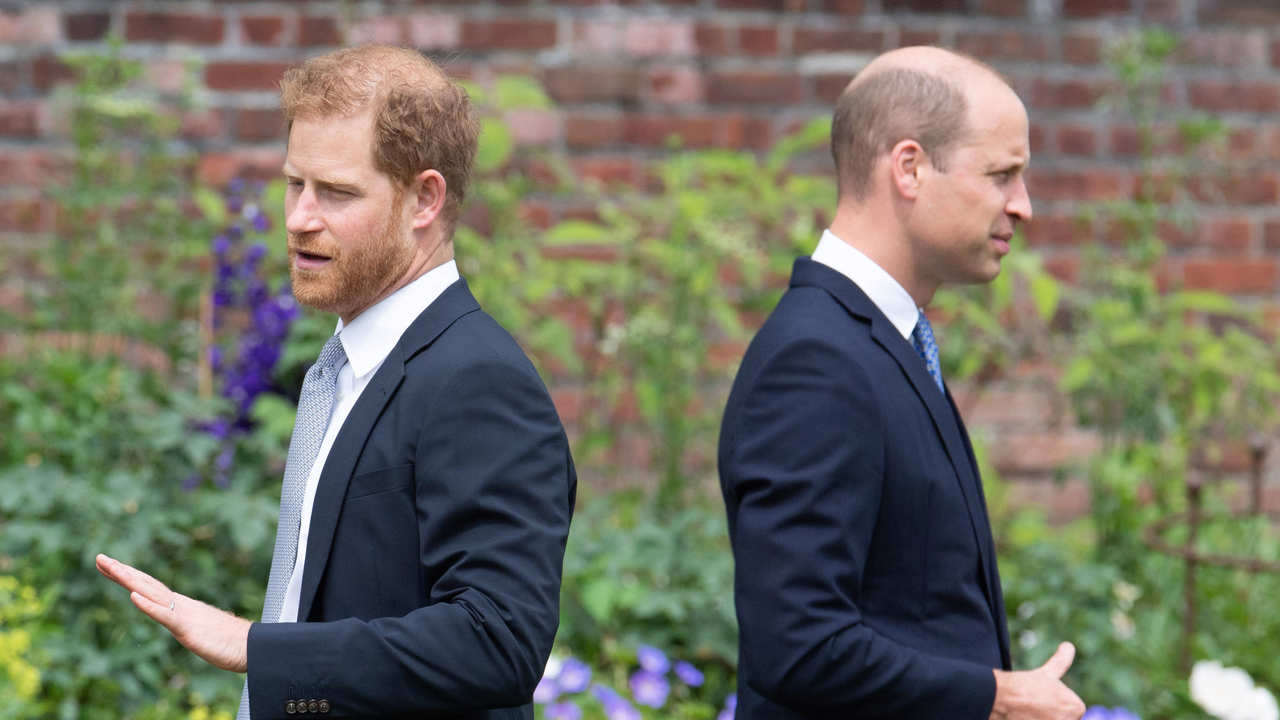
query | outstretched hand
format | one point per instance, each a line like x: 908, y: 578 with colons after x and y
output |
x: 216, y: 636
x: 1038, y: 694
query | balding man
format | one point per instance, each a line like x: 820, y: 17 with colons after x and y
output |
x: 866, y: 582
x: 428, y: 488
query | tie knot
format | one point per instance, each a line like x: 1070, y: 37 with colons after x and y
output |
x: 331, y: 355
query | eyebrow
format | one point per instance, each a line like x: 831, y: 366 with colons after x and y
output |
x: 329, y: 183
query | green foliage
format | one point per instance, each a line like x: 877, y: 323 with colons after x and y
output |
x: 21, y: 635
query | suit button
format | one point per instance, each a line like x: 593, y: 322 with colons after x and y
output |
x: 313, y: 706
x: 302, y: 707
x: 324, y: 706
x: 291, y: 707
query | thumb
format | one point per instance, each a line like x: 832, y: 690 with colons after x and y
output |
x: 1061, y: 660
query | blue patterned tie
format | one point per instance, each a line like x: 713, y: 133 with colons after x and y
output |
x: 315, y: 405
x: 922, y: 340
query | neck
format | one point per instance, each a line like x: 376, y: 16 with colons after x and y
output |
x: 879, y: 236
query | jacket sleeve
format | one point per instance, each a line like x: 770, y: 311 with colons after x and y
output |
x: 494, y: 487
x: 804, y: 471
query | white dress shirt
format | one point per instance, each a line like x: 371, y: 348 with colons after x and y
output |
x: 888, y: 294
x: 367, y: 341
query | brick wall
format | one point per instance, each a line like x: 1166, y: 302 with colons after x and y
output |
x: 731, y: 73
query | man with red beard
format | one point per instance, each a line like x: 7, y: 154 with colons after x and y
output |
x: 429, y: 487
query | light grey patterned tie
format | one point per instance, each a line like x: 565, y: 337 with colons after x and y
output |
x: 315, y: 405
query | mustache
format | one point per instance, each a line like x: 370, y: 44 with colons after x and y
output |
x: 310, y: 245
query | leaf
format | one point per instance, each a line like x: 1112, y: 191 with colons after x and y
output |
x: 1045, y: 292
x: 580, y: 232
x: 211, y: 205
x: 520, y: 91
x: 496, y: 145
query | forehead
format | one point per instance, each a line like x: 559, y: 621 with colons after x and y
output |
x: 998, y: 125
x: 331, y: 146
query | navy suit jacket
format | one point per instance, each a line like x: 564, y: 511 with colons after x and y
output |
x: 865, y: 579
x: 432, y: 581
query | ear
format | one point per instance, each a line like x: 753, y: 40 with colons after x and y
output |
x: 428, y: 191
x: 906, y: 162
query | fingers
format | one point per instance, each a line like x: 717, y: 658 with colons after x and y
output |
x: 135, y: 581
x: 156, y: 611
x: 1058, y: 665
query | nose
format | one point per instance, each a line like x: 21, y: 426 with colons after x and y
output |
x: 300, y: 211
x: 1019, y: 201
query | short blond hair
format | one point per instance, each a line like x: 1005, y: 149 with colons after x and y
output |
x: 422, y: 120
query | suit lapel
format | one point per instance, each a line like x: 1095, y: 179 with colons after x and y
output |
x: 945, y: 420
x: 452, y: 304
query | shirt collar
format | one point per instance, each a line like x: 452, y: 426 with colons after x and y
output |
x: 887, y: 294
x: 371, y: 336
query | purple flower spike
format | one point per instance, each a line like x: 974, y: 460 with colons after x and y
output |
x: 650, y: 688
x: 730, y: 707
x: 652, y: 659
x: 235, y: 186
x: 564, y: 711
x: 688, y: 674
x: 547, y: 691
x: 574, y: 676
x: 261, y: 222
x: 221, y: 244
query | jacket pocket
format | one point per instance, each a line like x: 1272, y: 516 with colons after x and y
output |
x: 380, y: 481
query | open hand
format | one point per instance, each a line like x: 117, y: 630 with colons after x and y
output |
x: 216, y: 636
x: 1038, y: 694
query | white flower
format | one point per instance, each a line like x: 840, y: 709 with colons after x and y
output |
x: 1123, y: 625
x: 552, y: 671
x: 1229, y: 693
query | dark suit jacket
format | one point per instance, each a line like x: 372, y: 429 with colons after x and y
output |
x: 432, y: 581
x: 866, y: 582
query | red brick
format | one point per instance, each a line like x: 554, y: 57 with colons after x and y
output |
x: 1249, y: 96
x: 1003, y: 8
x: 678, y: 85
x: 587, y: 131
x: 318, y: 31
x: 1066, y: 269
x: 1061, y: 501
x: 434, y: 31
x: 776, y: 6
x: 649, y: 38
x: 1077, y: 140
x: 1235, y: 236
x: 845, y: 7
x: 1052, y: 184
x: 1012, y: 45
x: 34, y: 167
x: 1271, y: 235
x: 758, y: 40
x: 593, y: 83
x: 658, y: 130
x: 218, y: 169
x: 197, y: 29
x: 924, y: 6
x: 19, y: 119
x: 1258, y: 13
x: 11, y: 77
x: 263, y: 29
x: 48, y: 71
x: 908, y: 37
x: 1224, y: 49
x: 607, y: 168
x: 1094, y: 8
x: 26, y: 215
x: 255, y: 125
x: 379, y: 29
x: 756, y: 87
x: 1230, y: 275
x: 1043, y: 451
x: 1051, y: 94
x: 237, y: 75
x: 86, y: 26
x: 812, y: 40
x: 1056, y: 230
x: 1160, y: 11
x: 1244, y: 143
x: 1126, y: 141
x: 1081, y: 49
x: 747, y: 131
x: 711, y: 39
x: 827, y: 88
x: 202, y: 124
x: 534, y: 127
x: 1036, y: 136
x: 508, y: 34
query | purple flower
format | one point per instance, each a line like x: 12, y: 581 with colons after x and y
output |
x: 261, y: 222
x: 191, y: 482
x: 255, y: 252
x: 564, y: 711
x: 234, y: 203
x: 688, y: 674
x: 546, y: 691
x: 615, y: 706
x: 650, y: 688
x: 235, y: 186
x: 221, y: 244
x: 730, y: 707
x: 574, y: 676
x: 1099, y: 712
x: 652, y: 659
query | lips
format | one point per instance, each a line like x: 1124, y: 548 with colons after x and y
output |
x: 309, y: 258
